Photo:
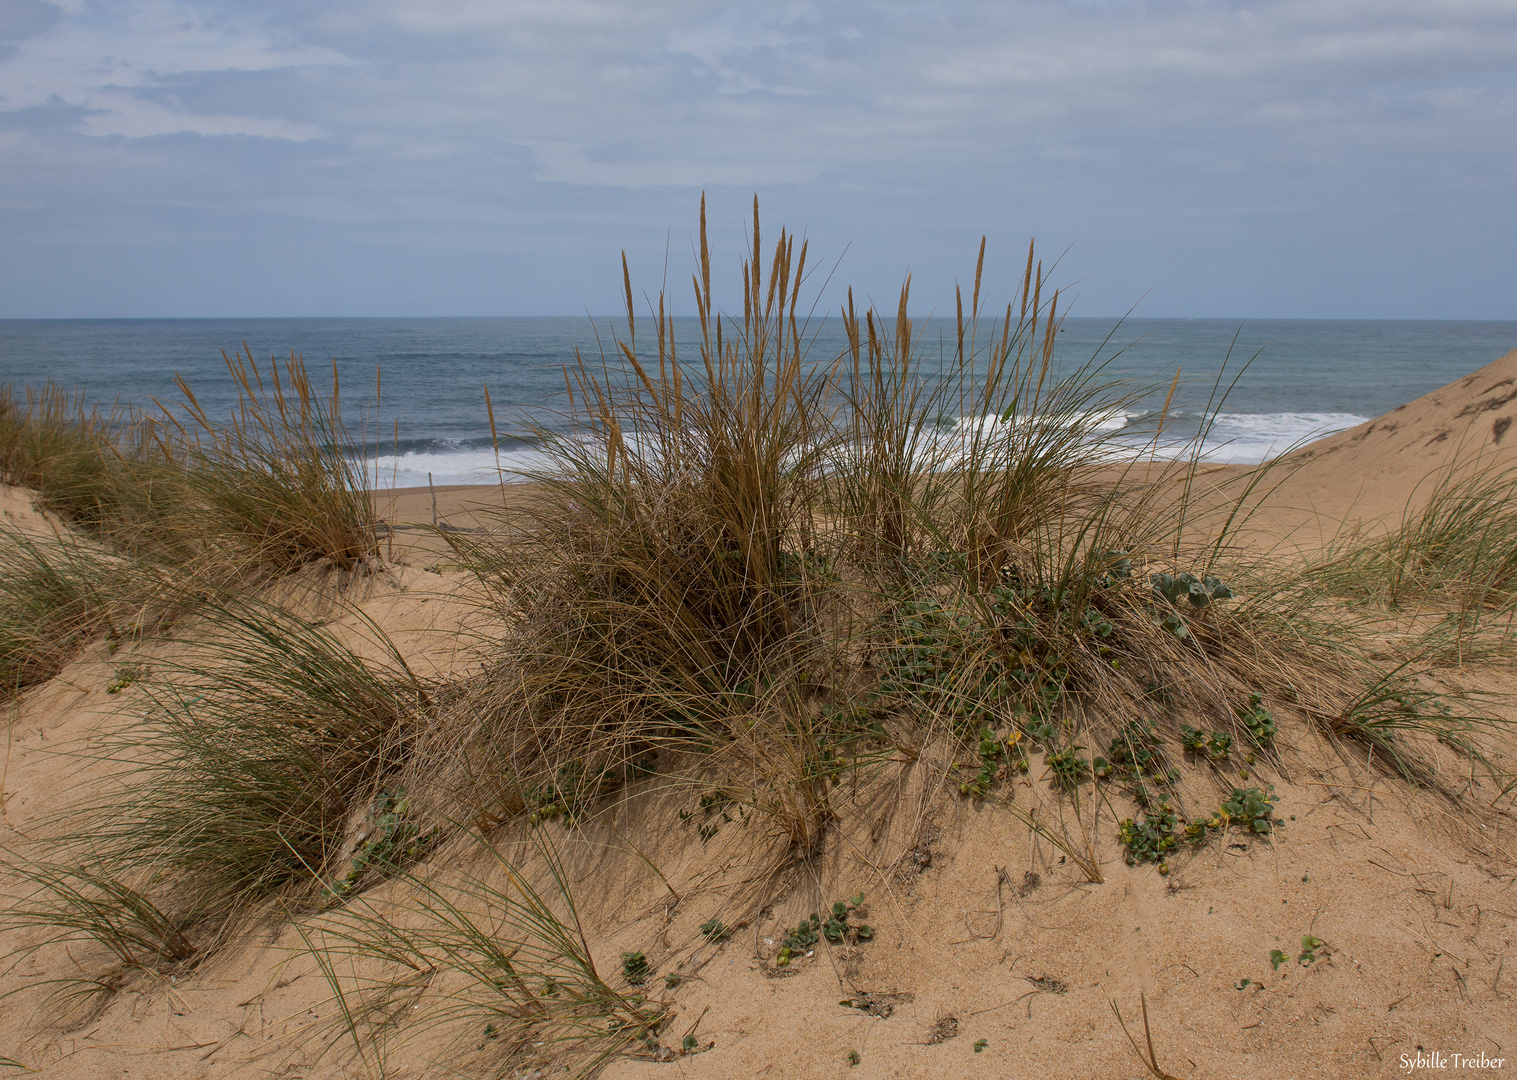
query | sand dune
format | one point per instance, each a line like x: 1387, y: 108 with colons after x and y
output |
x: 1378, y: 470
x: 996, y: 955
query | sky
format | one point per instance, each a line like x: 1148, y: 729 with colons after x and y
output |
x: 1193, y: 158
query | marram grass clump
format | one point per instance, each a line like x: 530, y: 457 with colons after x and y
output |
x: 257, y: 751
x: 739, y: 547
x: 268, y: 488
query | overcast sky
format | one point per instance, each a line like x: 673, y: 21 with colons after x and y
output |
x: 1242, y: 158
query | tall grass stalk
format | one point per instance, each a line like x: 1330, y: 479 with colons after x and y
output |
x: 58, y: 592
x: 1399, y: 703
x: 256, y: 751
x: 276, y: 478
x: 271, y: 487
x: 971, y: 454
x: 739, y: 547
x: 1463, y: 542
x: 689, y: 491
x: 735, y: 543
x: 79, y: 904
x: 674, y: 563
x: 51, y: 443
x: 108, y: 475
x: 73, y: 905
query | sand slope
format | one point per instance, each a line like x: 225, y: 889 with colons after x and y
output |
x: 1373, y: 471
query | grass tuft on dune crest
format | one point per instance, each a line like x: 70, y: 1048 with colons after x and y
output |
x: 275, y: 481
x: 269, y: 488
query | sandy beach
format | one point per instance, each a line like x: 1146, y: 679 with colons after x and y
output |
x: 1366, y: 930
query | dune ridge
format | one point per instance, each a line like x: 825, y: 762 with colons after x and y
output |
x: 1377, y: 470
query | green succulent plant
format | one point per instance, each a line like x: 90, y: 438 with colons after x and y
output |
x: 836, y: 928
x: 1152, y: 838
x: 1198, y: 592
x: 1259, y: 720
x: 1251, y: 808
x: 1067, y: 765
x: 635, y: 968
x: 395, y: 841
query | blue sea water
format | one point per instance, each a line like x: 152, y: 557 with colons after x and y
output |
x: 1295, y: 379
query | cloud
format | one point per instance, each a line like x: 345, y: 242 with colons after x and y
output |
x: 53, y: 114
x: 121, y: 113
x: 21, y: 19
x: 862, y: 82
x: 106, y: 61
x: 569, y: 164
x: 1162, y: 122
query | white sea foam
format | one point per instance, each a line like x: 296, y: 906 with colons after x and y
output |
x: 463, y: 466
x: 1232, y: 438
x: 1249, y: 438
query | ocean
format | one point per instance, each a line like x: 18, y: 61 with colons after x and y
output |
x: 1286, y: 381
